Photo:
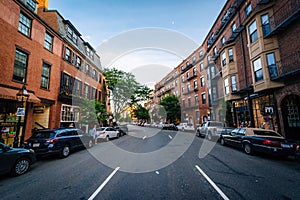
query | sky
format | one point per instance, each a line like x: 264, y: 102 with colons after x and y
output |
x: 130, y: 34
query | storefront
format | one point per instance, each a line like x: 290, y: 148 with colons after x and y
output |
x: 14, y: 115
x: 9, y: 121
x: 241, y: 113
x: 265, y: 112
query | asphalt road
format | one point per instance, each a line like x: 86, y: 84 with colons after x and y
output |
x: 152, y: 164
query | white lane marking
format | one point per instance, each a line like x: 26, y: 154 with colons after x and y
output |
x: 144, y: 137
x: 103, y: 184
x: 212, y: 183
x: 170, y: 137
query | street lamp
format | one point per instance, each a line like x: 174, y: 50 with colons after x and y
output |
x: 22, y: 96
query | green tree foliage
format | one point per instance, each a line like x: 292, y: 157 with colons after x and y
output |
x: 172, y: 107
x: 92, y: 112
x: 125, y: 91
x: 141, y: 113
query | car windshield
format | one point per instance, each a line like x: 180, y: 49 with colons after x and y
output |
x: 101, y: 129
x: 44, y: 134
x: 266, y: 133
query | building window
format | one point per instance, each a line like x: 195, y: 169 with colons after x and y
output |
x: 248, y: 10
x: 253, y: 32
x: 24, y: 25
x: 197, y: 116
x: 233, y: 83
x: 224, y: 59
x: 182, y: 89
x: 88, y: 52
x: 48, y: 42
x: 182, y: 78
x: 258, y: 72
x: 189, y: 102
x: 212, y: 71
x: 69, y: 113
x: 20, y: 66
x: 200, y: 53
x: 66, y: 84
x: 194, y: 59
x: 195, y: 84
x: 203, y: 95
x: 188, y: 87
x: 31, y: 4
x: 230, y: 55
x: 223, y: 40
x: 214, y: 93
x: 195, y: 72
x: 45, y: 76
x: 201, y: 67
x: 187, y: 63
x: 233, y: 27
x: 68, y: 54
x: 226, y: 85
x: 72, y: 35
x: 202, y: 81
x: 265, y: 24
x: 78, y: 62
x: 272, y: 65
x: 196, y: 100
x: 215, y: 51
x: 188, y: 75
x: 77, y: 87
x: 86, y: 91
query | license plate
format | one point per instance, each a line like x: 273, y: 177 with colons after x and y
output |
x: 36, y: 145
x: 286, y: 145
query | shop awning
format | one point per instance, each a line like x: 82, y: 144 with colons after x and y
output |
x: 8, y: 93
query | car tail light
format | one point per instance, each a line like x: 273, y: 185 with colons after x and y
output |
x: 271, y: 143
x: 53, y: 141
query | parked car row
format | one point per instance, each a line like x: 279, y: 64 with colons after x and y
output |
x: 60, y: 141
x: 251, y: 140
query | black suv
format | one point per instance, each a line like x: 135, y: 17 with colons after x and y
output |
x: 58, y: 141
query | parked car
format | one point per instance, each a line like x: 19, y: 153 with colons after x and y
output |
x: 185, y: 127
x: 58, y: 141
x: 122, y: 129
x: 107, y: 133
x: 170, y: 127
x: 210, y: 129
x: 253, y: 140
x: 297, y: 153
x: 15, y: 161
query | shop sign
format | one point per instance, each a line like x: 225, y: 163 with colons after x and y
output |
x: 269, y: 110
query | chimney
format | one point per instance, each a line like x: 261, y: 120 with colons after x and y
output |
x: 42, y: 4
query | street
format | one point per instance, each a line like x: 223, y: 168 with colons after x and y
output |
x: 149, y: 163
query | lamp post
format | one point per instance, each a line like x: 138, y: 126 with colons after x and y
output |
x: 22, y: 96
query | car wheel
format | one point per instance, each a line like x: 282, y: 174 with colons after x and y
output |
x: 107, y: 138
x: 118, y: 135
x: 182, y: 129
x: 248, y: 149
x: 21, y: 166
x: 222, y: 141
x: 65, y: 152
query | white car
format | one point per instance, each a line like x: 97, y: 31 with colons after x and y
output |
x: 107, y: 133
x: 185, y: 127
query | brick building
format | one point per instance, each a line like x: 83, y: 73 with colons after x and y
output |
x: 34, y: 54
x: 251, y: 58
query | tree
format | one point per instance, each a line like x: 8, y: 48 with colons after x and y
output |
x: 122, y: 86
x: 126, y: 92
x: 141, y: 113
x: 172, y: 107
x: 92, y: 112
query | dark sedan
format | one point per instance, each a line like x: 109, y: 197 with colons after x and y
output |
x: 15, y: 160
x: 253, y: 140
x: 58, y: 141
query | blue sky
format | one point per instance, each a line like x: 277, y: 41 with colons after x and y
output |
x: 145, y: 37
x: 99, y: 20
